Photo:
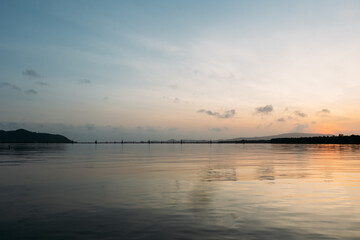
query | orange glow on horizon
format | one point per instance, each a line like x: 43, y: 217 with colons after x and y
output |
x: 329, y: 128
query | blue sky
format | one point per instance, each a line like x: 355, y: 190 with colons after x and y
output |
x: 175, y: 69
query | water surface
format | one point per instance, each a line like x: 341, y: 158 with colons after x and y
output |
x: 173, y: 191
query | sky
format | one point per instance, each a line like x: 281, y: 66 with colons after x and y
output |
x: 138, y: 70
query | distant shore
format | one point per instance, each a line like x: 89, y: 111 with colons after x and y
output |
x: 353, y: 139
x: 24, y: 136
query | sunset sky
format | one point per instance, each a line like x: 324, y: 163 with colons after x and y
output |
x: 113, y: 70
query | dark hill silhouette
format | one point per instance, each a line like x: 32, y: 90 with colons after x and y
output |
x: 24, y: 136
x: 284, y: 135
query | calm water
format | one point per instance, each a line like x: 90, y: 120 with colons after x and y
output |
x: 251, y: 191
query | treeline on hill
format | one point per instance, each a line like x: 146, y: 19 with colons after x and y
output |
x: 353, y: 139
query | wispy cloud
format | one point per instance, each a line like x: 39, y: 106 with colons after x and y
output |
x: 174, y: 99
x: 264, y: 110
x: 84, y: 81
x: 218, y: 129
x: 281, y: 120
x: 323, y: 112
x: 225, y: 114
x: 31, y: 73
x: 156, y: 45
x: 9, y: 85
x: 300, y: 127
x: 42, y: 83
x: 31, y: 92
x: 151, y: 129
x: 148, y: 129
x: 300, y: 114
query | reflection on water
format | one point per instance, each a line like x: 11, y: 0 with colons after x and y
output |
x: 245, y: 191
x: 220, y: 175
x: 266, y: 173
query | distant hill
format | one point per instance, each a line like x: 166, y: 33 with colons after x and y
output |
x: 284, y: 135
x: 24, y: 136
